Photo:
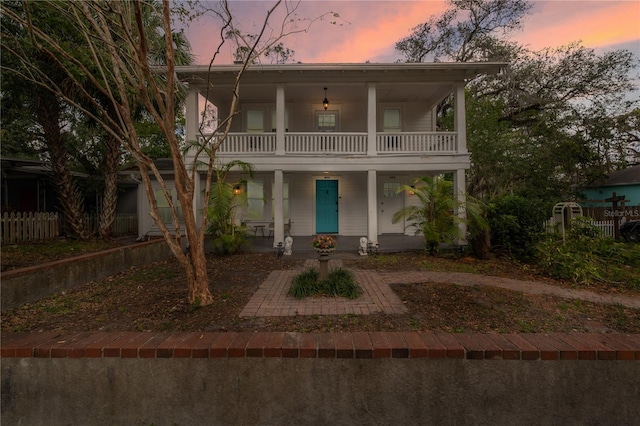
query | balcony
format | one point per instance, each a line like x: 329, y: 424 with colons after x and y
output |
x: 309, y: 143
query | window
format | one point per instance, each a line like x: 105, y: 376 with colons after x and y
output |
x: 255, y: 200
x: 163, y: 206
x: 392, y: 120
x: 327, y: 121
x: 285, y: 201
x: 391, y: 189
x: 273, y: 119
x: 392, y: 123
x: 255, y: 121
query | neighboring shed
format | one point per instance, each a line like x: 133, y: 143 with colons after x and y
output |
x: 621, y: 183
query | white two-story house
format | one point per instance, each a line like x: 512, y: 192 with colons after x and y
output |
x: 331, y: 143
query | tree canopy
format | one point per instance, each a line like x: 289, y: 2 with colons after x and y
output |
x: 554, y: 121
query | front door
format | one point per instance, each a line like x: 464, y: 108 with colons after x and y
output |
x: 326, y: 206
x: 389, y: 202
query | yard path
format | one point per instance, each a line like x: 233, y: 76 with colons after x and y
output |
x: 530, y: 287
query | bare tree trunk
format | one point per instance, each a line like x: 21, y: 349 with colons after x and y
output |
x: 110, y: 195
x: 199, y: 283
x: 48, y: 113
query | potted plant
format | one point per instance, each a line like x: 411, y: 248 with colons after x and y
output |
x: 323, y: 244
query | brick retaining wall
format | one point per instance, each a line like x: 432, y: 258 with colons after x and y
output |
x: 29, y: 284
x: 377, y: 378
x: 359, y: 345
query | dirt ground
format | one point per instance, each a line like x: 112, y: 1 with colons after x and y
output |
x: 153, y: 298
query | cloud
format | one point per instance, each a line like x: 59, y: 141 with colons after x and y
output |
x: 368, y: 30
x: 595, y: 23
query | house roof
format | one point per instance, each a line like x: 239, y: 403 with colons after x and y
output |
x: 393, y: 81
x: 628, y: 176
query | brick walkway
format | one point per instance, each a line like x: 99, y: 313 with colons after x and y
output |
x: 271, y: 299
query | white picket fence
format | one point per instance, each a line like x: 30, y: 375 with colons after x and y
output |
x: 606, y: 227
x: 25, y: 227
x: 21, y: 227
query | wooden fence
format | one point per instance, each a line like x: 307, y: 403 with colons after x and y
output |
x: 25, y: 227
x: 21, y: 227
x: 123, y: 224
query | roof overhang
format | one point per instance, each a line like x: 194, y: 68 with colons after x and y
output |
x: 396, y: 80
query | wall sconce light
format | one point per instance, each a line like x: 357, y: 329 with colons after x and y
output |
x: 325, y: 102
x: 237, y: 190
x: 411, y: 191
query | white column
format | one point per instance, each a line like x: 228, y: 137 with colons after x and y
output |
x: 460, y: 119
x: 192, y: 120
x: 192, y: 115
x: 198, y: 202
x: 278, y: 208
x: 371, y: 119
x: 372, y: 206
x: 459, y: 186
x: 280, y: 129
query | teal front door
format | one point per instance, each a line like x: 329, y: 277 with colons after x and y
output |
x: 326, y: 206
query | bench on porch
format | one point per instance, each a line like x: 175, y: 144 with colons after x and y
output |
x: 287, y: 228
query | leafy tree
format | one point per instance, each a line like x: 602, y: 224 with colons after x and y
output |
x: 118, y: 64
x: 516, y: 225
x: 469, y: 30
x: 547, y: 126
x: 44, y: 114
x: 279, y: 54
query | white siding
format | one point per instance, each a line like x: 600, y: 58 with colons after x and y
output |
x: 352, y: 189
x: 417, y: 118
x: 353, y: 117
x: 301, y: 192
x: 300, y: 117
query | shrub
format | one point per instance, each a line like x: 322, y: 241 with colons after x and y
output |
x: 516, y: 225
x: 230, y: 244
x: 586, y: 257
x: 340, y: 282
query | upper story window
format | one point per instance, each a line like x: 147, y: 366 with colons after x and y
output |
x: 392, y: 120
x: 327, y: 121
x: 255, y: 121
x: 273, y: 119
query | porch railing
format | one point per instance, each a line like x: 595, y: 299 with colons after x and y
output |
x: 432, y: 142
x: 325, y: 143
x: 249, y: 143
x: 300, y: 143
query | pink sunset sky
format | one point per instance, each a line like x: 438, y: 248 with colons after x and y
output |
x: 368, y: 30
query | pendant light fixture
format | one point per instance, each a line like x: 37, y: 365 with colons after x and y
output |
x: 325, y: 102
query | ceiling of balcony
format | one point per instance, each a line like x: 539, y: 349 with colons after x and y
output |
x: 428, y: 83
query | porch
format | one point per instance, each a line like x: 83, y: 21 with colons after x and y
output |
x: 347, y: 246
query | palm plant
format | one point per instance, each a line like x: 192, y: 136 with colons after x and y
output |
x: 223, y: 203
x: 435, y: 217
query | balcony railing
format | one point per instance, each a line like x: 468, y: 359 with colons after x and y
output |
x: 325, y: 143
x: 308, y: 143
x: 432, y: 143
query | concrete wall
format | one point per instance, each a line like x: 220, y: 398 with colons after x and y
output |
x: 320, y: 379
x: 253, y: 391
x: 30, y: 284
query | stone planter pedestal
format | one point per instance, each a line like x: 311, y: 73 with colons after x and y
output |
x: 324, y: 262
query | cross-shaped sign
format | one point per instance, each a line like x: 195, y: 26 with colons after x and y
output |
x: 616, y: 219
